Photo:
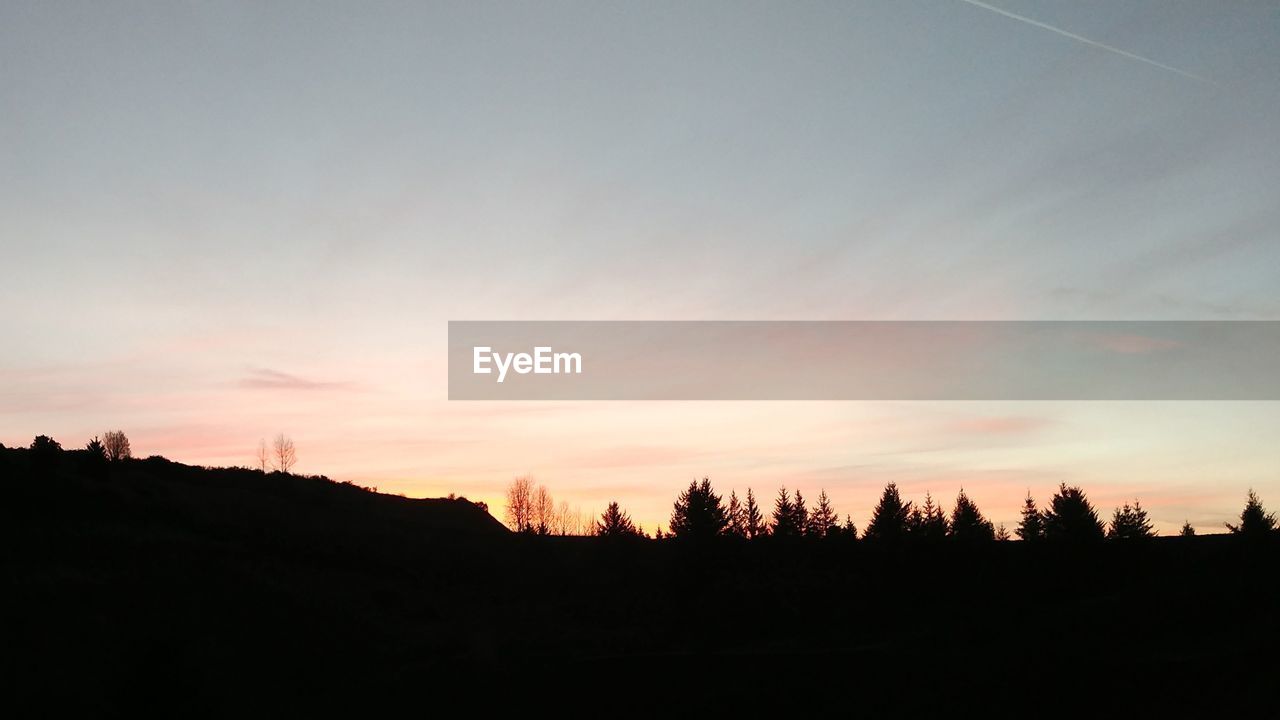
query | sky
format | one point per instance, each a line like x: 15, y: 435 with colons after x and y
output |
x: 220, y: 221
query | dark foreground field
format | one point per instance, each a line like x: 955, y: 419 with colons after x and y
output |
x: 157, y: 587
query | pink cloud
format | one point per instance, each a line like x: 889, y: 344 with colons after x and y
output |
x: 1132, y: 344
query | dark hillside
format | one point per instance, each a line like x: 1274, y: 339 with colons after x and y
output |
x: 155, y: 586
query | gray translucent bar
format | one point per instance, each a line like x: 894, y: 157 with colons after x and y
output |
x: 857, y: 360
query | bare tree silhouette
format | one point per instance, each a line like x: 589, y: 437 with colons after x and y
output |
x: 263, y: 456
x: 285, y: 454
x: 544, y: 511
x: 116, y: 445
x: 519, y: 513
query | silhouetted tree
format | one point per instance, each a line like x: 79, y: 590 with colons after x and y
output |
x: 849, y: 530
x: 801, y: 513
x: 1254, y: 519
x: 45, y: 452
x: 930, y: 522
x: 698, y: 512
x: 263, y: 456
x: 285, y: 454
x: 1187, y: 530
x: 1071, y: 517
x: 889, y: 519
x: 784, y: 516
x: 568, y: 521
x: 1002, y: 533
x: 1031, y: 527
x: 755, y: 524
x: 968, y: 523
x: 94, y: 460
x: 116, y: 445
x: 823, y: 521
x: 520, y: 504
x: 615, y: 523
x: 737, y: 516
x: 544, y: 511
x: 1130, y: 522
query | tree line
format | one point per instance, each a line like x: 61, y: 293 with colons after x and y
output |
x: 701, y: 513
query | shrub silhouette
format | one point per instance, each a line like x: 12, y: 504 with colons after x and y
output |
x: 889, y: 519
x: 1070, y: 517
x: 1130, y: 522
x: 1031, y: 527
x: 968, y: 523
x: 616, y: 523
x: 1254, y: 520
x: 45, y: 453
x: 698, y: 512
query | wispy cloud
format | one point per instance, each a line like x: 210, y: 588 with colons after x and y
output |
x: 268, y: 379
x: 1087, y: 41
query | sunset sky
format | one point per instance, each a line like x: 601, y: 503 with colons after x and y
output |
x: 223, y: 220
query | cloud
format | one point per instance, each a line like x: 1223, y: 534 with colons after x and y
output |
x: 1124, y: 344
x: 268, y: 379
x: 1000, y: 425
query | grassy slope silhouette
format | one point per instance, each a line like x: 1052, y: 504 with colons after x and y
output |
x: 156, y: 584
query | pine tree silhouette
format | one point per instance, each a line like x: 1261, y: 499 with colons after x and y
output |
x: 1070, y: 517
x: 801, y: 514
x: 1031, y: 527
x: 94, y: 462
x: 823, y: 521
x: 1187, y: 530
x: 1255, y: 521
x: 849, y: 530
x: 737, y: 516
x: 929, y: 523
x: 615, y: 523
x: 1130, y: 522
x: 754, y: 519
x: 784, y: 516
x: 698, y: 513
x: 968, y: 523
x: 889, y: 519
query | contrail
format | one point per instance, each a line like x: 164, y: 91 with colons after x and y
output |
x: 1087, y: 41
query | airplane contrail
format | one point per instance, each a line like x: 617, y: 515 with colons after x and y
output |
x: 1087, y: 41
